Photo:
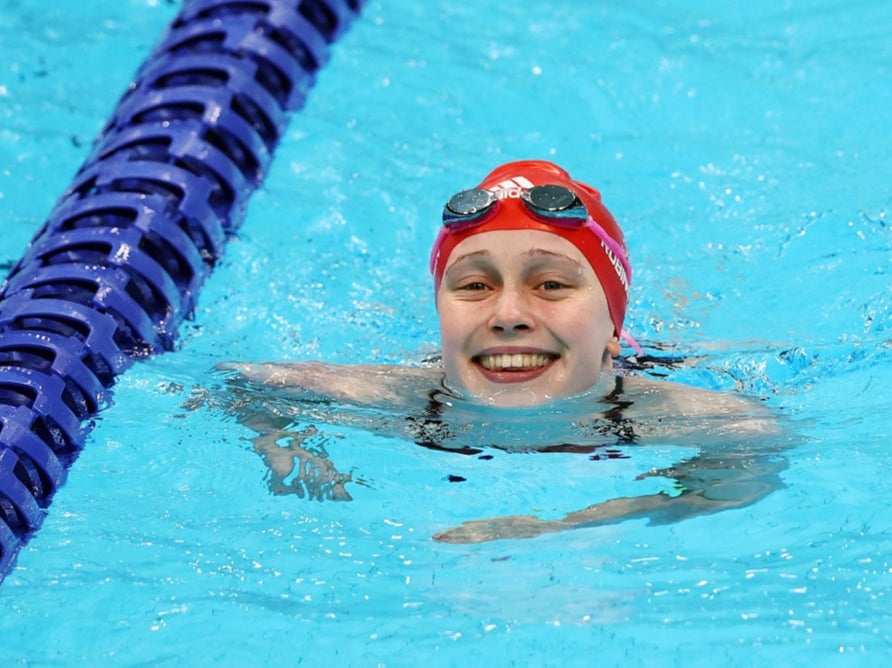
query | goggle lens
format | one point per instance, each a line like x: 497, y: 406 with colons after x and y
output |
x: 553, y: 201
x: 468, y: 205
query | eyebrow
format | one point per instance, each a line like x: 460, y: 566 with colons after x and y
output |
x: 481, y: 254
x: 535, y: 252
x: 485, y: 255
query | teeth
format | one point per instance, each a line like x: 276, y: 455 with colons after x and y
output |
x: 515, y: 361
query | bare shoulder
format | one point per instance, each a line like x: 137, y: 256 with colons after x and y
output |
x: 696, y: 410
x: 365, y: 384
x: 688, y: 400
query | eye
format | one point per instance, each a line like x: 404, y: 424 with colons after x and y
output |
x: 473, y: 286
x: 554, y: 288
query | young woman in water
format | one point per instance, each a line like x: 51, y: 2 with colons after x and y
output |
x: 532, y: 280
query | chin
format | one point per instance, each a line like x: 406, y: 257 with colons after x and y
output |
x: 530, y: 392
x: 524, y: 395
x: 519, y: 401
x: 519, y: 397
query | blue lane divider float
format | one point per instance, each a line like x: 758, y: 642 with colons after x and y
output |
x: 119, y: 263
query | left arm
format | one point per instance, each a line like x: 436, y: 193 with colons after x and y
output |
x: 707, y: 485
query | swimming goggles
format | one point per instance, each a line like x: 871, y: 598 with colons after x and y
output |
x: 555, y: 204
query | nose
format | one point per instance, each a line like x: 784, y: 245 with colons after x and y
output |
x: 511, y: 313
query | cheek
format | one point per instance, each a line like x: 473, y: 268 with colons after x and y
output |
x: 452, y: 327
x: 453, y: 335
x: 587, y: 325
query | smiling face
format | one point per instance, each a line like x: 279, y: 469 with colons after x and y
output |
x: 523, y: 319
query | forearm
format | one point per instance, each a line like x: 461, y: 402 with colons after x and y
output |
x: 704, y: 491
x: 660, y: 508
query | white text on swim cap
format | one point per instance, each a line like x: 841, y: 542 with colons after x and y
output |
x: 617, y: 266
x: 511, y: 188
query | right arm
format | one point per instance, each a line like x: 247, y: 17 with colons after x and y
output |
x: 385, y: 386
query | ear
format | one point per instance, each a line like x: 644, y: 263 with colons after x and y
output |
x: 613, y: 347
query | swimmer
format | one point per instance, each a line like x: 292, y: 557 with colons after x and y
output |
x: 531, y: 276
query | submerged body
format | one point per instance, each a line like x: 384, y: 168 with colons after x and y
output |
x: 739, y: 443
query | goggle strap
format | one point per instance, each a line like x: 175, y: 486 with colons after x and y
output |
x: 628, y: 338
x: 613, y: 245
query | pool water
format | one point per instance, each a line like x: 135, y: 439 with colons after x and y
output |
x: 745, y: 153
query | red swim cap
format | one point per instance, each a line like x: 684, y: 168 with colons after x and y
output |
x: 600, y: 240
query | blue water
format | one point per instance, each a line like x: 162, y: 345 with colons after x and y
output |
x: 744, y: 149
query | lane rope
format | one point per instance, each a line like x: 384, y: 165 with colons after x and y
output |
x: 120, y: 261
